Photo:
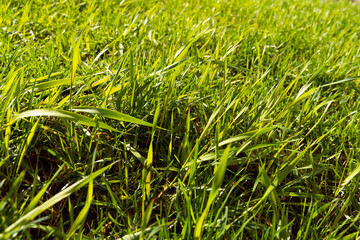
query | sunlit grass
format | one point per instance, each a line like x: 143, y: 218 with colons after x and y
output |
x: 179, y: 119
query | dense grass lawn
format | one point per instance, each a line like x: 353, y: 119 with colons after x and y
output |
x: 136, y: 119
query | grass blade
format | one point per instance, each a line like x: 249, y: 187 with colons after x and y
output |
x: 82, y: 215
x: 63, y: 115
x: 43, y: 190
x: 351, y: 175
x: 52, y: 201
x: 113, y: 115
x: 216, y: 185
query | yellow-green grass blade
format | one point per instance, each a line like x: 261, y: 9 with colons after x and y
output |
x: 281, y: 175
x: 149, y: 161
x: 12, y: 191
x: 222, y: 64
x: 167, y: 68
x: 81, y: 119
x: 25, y: 15
x: 351, y: 176
x: 7, y: 137
x: 341, y: 81
x: 83, y: 213
x: 10, y: 83
x: 246, y: 135
x: 25, y: 219
x: 41, y: 193
x: 51, y: 83
x: 27, y: 143
x: 274, y: 198
x: 216, y: 185
x: 113, y: 115
x: 150, y: 155
x: 109, y: 89
x: 11, y: 91
x: 48, y: 76
x: 75, y: 61
x: 181, y: 53
x: 146, y: 218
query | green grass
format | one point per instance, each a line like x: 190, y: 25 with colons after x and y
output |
x: 179, y: 119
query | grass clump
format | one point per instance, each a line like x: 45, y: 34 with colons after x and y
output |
x: 179, y: 119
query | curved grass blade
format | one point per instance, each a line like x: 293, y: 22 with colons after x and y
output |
x: 51, y: 84
x: 341, y: 81
x: 145, y: 219
x: 113, y: 115
x: 217, y: 182
x: 82, y: 215
x: 76, y: 60
x: 181, y: 53
x: 246, y: 135
x: 222, y: 64
x: 13, y: 190
x: 352, y: 174
x: 52, y: 201
x: 38, y: 196
x: 27, y: 143
x: 63, y: 115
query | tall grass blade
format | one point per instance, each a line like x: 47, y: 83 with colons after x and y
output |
x: 113, y: 115
x: 79, y: 221
x: 216, y: 185
x: 75, y: 61
x: 346, y: 181
x: 25, y: 219
x: 27, y: 143
x: 41, y: 193
x: 63, y: 115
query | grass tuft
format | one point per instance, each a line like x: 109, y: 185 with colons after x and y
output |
x: 179, y: 119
